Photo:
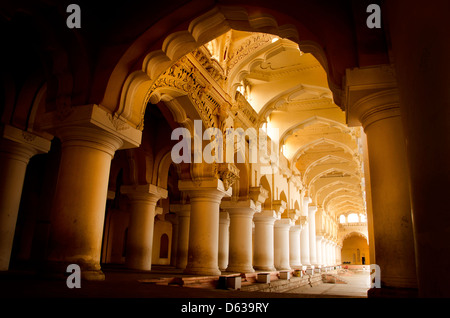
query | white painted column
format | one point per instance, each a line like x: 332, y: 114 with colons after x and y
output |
x: 173, y: 219
x: 333, y: 254
x: 183, y: 214
x: 324, y: 254
x: 312, y: 234
x: 329, y: 256
x: 319, y: 239
x: 143, y: 199
x: 281, y: 243
x: 294, y: 246
x: 241, y: 224
x: 224, y: 239
x: 205, y: 197
x: 16, y: 149
x: 78, y: 211
x: 263, y: 258
x: 304, y: 243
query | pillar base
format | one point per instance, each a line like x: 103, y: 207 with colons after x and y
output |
x: 202, y: 271
x: 392, y: 292
x: 58, y: 270
x: 264, y: 268
x: 240, y: 269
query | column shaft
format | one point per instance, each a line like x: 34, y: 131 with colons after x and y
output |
x: 205, y: 199
x: 263, y: 254
x: 421, y: 61
x: 312, y: 234
x: 240, y: 253
x: 80, y: 199
x: 319, y: 250
x: 14, y: 159
x: 294, y: 247
x: 390, y: 201
x: 224, y: 240
x: 183, y: 217
x: 143, y: 199
x: 304, y: 243
x: 281, y: 244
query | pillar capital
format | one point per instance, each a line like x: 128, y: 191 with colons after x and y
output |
x: 239, y: 208
x: 144, y: 192
x: 180, y: 209
x: 279, y: 206
x: 21, y: 145
x: 370, y: 94
x: 302, y: 220
x: 265, y: 216
x: 93, y: 125
x: 211, y: 189
x: 224, y: 217
x: 284, y: 223
x: 312, y: 209
x: 377, y: 106
x: 307, y: 200
x: 258, y: 194
x: 16, y: 149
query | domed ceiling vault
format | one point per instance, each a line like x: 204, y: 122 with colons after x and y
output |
x: 288, y: 89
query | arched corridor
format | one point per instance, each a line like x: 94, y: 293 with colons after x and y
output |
x: 215, y: 139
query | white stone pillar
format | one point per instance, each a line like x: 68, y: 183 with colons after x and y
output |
x: 173, y: 219
x: 324, y: 253
x: 89, y: 138
x: 325, y: 245
x: 143, y: 199
x: 340, y: 254
x: 330, y: 257
x: 294, y: 246
x: 312, y: 234
x: 304, y: 236
x: 304, y: 243
x: 16, y: 149
x: 79, y: 203
x: 241, y: 223
x: 281, y: 243
x: 263, y: 258
x: 319, y: 239
x: 333, y: 253
x: 205, y: 197
x: 183, y: 212
x: 224, y: 239
x: 377, y: 108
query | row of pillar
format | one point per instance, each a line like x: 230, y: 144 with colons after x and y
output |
x: 79, y: 209
x: 272, y: 244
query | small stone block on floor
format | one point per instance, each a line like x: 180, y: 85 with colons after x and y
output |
x: 263, y: 278
x: 285, y: 275
x: 234, y: 282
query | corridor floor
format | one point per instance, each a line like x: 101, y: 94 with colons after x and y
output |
x: 357, y: 282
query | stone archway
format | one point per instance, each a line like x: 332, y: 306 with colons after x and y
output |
x: 137, y: 89
x: 354, y: 247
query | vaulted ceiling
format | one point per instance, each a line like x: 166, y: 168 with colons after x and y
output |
x: 289, y: 91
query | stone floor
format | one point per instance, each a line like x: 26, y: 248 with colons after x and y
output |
x: 351, y: 283
x: 123, y: 292
x: 120, y: 283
